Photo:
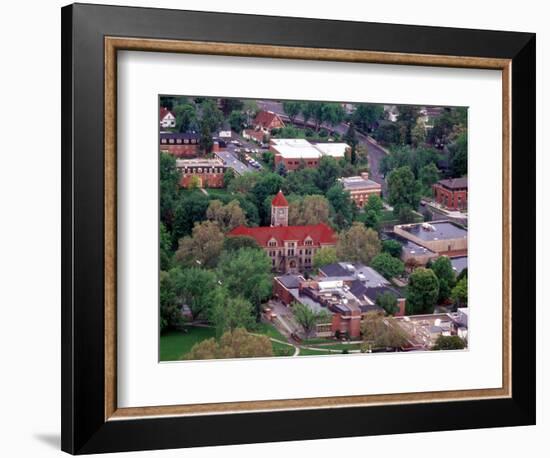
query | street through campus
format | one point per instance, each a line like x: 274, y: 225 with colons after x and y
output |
x: 375, y: 152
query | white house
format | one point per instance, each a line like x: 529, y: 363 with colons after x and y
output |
x: 167, y: 118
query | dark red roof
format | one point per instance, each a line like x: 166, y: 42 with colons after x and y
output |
x: 279, y: 200
x: 319, y: 233
x: 163, y: 112
x: 266, y: 118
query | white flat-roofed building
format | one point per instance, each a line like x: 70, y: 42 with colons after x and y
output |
x: 294, y: 152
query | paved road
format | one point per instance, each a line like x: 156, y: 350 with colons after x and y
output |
x: 230, y: 159
x: 375, y: 152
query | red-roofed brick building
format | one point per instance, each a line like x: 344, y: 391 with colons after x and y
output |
x: 291, y: 248
x: 267, y: 120
x: 452, y: 193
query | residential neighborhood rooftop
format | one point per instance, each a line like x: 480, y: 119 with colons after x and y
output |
x: 459, y: 264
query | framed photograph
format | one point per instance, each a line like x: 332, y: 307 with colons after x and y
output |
x: 281, y: 228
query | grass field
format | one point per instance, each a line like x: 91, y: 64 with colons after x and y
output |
x: 308, y: 352
x: 174, y: 344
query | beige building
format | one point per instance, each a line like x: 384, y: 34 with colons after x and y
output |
x: 441, y: 237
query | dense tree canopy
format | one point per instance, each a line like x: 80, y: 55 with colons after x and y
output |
x: 422, y: 291
x: 444, y: 272
x: 233, y: 344
x: 246, y: 272
x: 380, y: 331
x: 203, y: 247
x: 358, y: 244
x: 403, y: 191
x: 324, y: 256
x: 387, y: 265
x: 449, y: 343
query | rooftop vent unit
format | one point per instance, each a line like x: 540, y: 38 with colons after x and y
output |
x: 350, y: 267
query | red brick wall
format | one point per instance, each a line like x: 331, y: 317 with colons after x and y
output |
x: 186, y: 151
x: 453, y: 200
x: 282, y: 293
x: 208, y: 180
x: 294, y: 164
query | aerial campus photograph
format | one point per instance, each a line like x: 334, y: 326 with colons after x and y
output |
x: 311, y: 228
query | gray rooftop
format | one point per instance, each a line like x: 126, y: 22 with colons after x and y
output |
x: 290, y: 281
x: 354, y: 271
x: 436, y: 230
x: 459, y: 264
x: 409, y: 247
x: 359, y: 183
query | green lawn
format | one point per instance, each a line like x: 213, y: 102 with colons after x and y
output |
x: 341, y: 346
x: 270, y: 331
x: 174, y: 344
x: 318, y: 340
x: 308, y: 352
x: 219, y: 193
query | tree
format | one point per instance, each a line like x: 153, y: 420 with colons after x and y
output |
x: 247, y: 273
x: 203, y: 248
x: 211, y: 116
x: 324, y: 256
x: 281, y: 169
x: 428, y: 175
x: 307, y: 318
x: 358, y: 244
x: 381, y: 332
x: 165, y: 248
x: 231, y: 105
x: 332, y: 113
x: 449, y: 343
x: 366, y: 115
x: 233, y: 344
x: 228, y: 216
x: 228, y: 176
x: 403, y: 190
x: 388, y: 302
x: 308, y: 210
x: 168, y: 186
x: 302, y: 182
x: 243, y: 184
x: 350, y: 138
x: 170, y: 310
x: 198, y: 289
x: 292, y: 109
x: 235, y: 243
x: 185, y: 114
x: 444, y: 272
x: 422, y: 292
x: 418, y: 132
x: 237, y: 120
x: 387, y: 265
x: 341, y: 206
x: 373, y: 211
x: 232, y: 313
x: 206, y: 143
x: 307, y: 111
x: 189, y: 209
x: 329, y: 171
x: 392, y: 247
x: 459, y: 293
x: 458, y: 152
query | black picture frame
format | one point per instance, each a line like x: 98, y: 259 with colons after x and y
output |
x: 84, y: 428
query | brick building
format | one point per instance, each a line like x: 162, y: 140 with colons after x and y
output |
x: 267, y: 120
x: 290, y: 248
x: 205, y: 173
x: 297, y: 152
x: 183, y: 145
x: 361, y: 188
x: 452, y: 193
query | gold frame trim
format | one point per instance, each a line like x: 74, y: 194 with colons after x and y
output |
x: 112, y: 45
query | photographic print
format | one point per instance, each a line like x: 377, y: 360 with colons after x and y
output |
x: 296, y: 228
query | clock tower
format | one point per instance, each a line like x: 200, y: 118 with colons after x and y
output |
x: 279, y: 210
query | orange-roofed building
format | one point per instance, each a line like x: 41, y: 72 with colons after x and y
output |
x: 267, y: 120
x: 290, y: 248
